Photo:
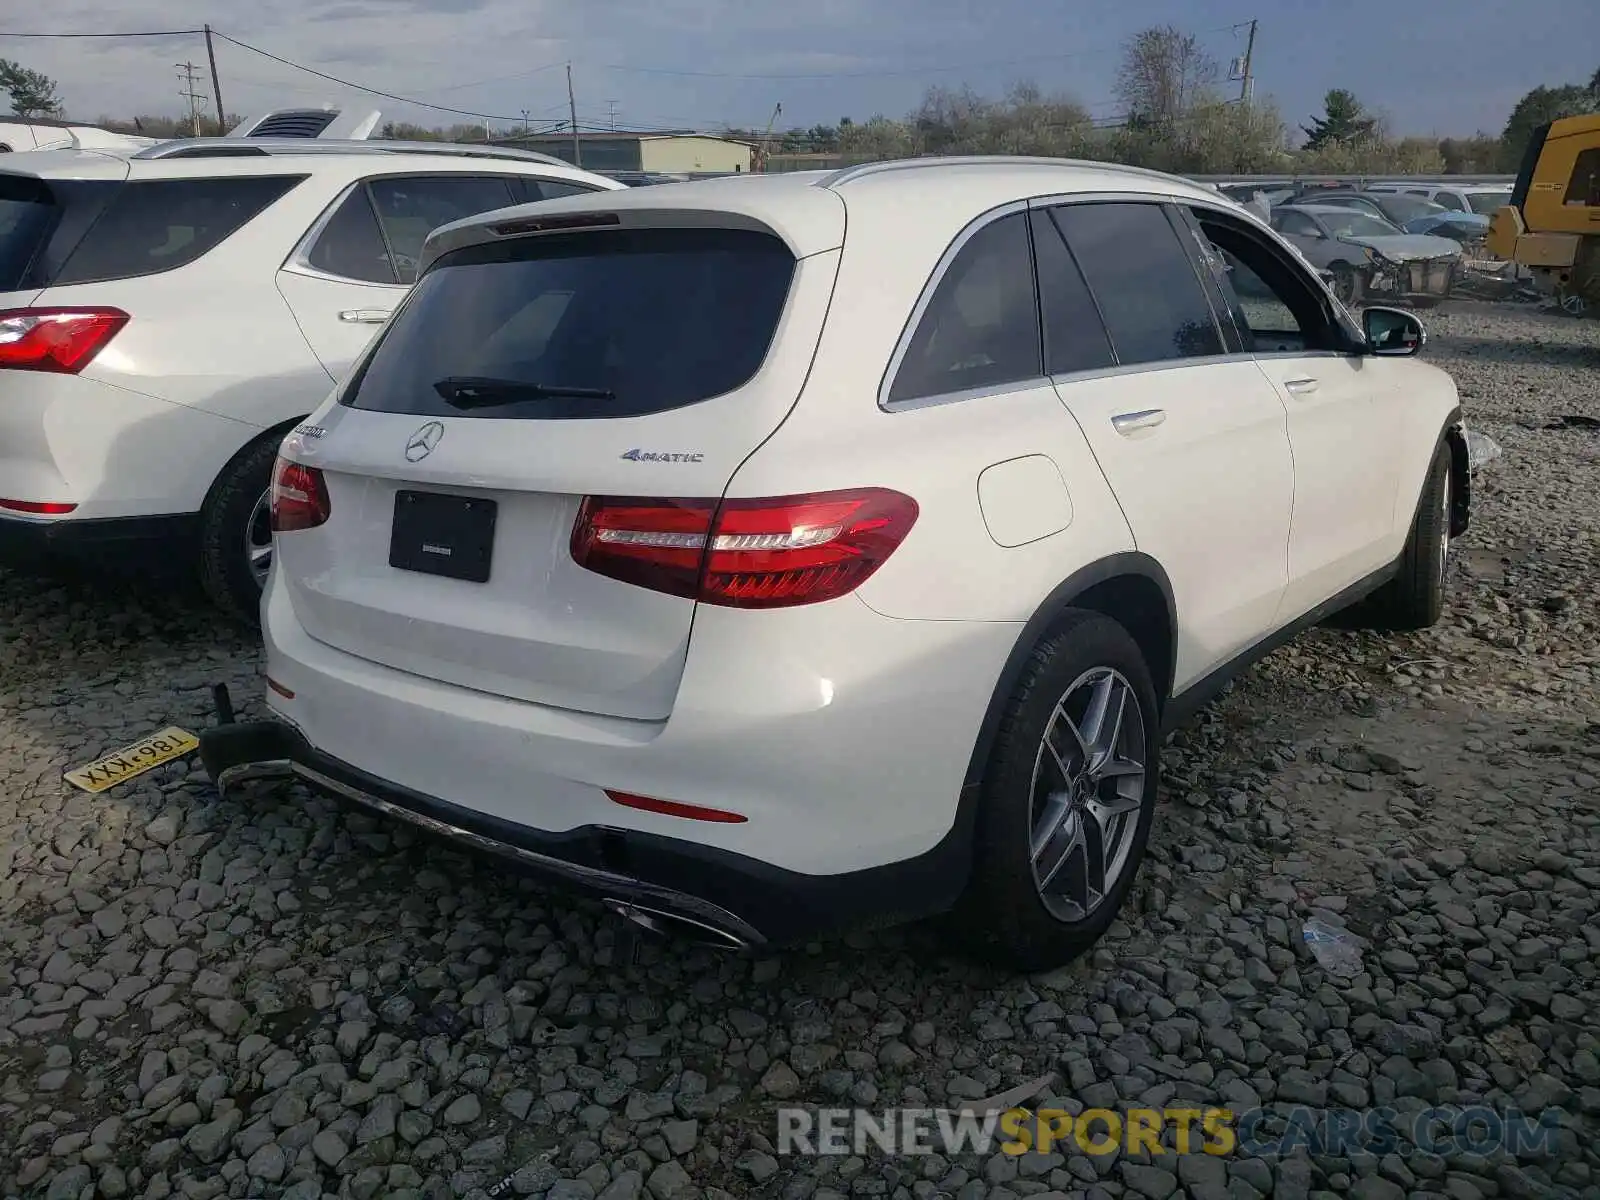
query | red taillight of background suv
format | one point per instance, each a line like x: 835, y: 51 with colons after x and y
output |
x: 299, y: 497
x: 767, y: 553
x: 62, y: 341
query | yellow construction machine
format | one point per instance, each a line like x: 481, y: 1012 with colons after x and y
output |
x: 1552, y: 225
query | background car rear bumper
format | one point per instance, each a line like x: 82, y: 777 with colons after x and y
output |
x: 25, y: 539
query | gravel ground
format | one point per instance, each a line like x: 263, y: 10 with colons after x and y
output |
x: 273, y: 997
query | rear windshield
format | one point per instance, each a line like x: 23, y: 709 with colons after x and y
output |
x: 612, y: 323
x: 1486, y: 204
x: 27, y: 214
x: 157, y: 225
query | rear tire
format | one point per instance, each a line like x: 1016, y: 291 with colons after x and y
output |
x: 235, y: 537
x: 1414, y: 598
x: 1060, y: 835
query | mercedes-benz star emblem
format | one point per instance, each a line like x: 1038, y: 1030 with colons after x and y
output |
x: 423, y: 441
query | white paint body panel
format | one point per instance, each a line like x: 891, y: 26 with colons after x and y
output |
x: 1024, y: 499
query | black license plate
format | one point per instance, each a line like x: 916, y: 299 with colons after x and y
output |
x: 438, y: 534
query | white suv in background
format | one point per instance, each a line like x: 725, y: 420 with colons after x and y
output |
x: 168, y: 314
x: 776, y: 553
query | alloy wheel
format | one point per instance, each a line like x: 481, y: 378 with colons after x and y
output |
x: 258, y: 540
x: 1087, y: 792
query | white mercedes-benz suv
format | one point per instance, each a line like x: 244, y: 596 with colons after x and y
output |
x: 168, y: 314
x: 768, y: 555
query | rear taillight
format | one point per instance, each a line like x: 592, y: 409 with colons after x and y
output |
x: 60, y: 340
x: 770, y: 553
x: 299, y: 497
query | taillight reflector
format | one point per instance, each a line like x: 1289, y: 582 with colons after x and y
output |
x: 766, y: 553
x: 59, y: 340
x: 42, y: 508
x: 299, y: 497
x: 673, y: 808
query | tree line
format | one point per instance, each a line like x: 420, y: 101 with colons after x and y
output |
x: 1174, y: 117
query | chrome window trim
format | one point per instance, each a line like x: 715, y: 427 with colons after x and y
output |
x: 982, y: 393
x: 982, y: 221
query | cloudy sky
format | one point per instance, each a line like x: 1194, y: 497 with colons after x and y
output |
x: 1433, y: 68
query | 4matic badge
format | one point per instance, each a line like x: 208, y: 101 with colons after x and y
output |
x: 662, y: 456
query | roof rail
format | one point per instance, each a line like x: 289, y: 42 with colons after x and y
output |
x: 862, y: 170
x: 235, y: 147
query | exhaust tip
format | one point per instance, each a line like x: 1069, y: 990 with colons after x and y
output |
x: 666, y: 924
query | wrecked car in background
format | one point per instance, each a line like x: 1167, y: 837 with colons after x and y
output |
x: 1412, y: 214
x: 1369, y: 256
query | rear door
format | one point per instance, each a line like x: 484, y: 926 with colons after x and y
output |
x: 1191, y: 438
x: 357, y: 264
x: 683, y: 349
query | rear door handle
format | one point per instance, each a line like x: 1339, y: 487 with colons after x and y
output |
x: 1301, y: 387
x: 1130, y: 423
x: 365, y: 316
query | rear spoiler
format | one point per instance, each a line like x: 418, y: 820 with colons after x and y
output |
x: 323, y: 122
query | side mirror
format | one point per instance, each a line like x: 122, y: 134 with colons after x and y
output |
x: 1392, y: 332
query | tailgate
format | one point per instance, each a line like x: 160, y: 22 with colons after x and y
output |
x: 516, y: 380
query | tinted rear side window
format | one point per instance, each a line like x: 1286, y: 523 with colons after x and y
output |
x: 159, y: 224
x: 656, y: 319
x: 351, y: 246
x: 28, y: 213
x: 981, y: 326
x: 1154, y: 306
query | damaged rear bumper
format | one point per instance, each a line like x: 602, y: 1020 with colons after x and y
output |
x: 705, y: 894
x: 594, y: 861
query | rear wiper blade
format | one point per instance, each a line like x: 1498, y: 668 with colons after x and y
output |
x: 474, y: 391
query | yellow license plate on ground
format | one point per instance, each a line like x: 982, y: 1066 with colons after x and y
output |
x: 136, y: 759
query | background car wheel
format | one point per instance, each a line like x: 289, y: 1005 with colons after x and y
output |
x: 1414, y: 599
x: 1346, y: 284
x: 235, y: 534
x: 1067, y: 799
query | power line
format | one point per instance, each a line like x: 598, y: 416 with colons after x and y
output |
x: 878, y: 74
x: 460, y: 112
x: 148, y: 33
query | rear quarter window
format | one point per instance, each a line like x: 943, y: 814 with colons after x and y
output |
x: 157, y: 225
x: 28, y: 212
x: 633, y: 321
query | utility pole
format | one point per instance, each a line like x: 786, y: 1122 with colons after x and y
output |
x: 216, y: 86
x: 572, y: 109
x: 612, y: 105
x: 524, y: 122
x: 187, y: 72
x: 1249, y: 49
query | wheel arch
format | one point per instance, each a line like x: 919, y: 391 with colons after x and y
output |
x: 1132, y: 589
x: 277, y: 432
